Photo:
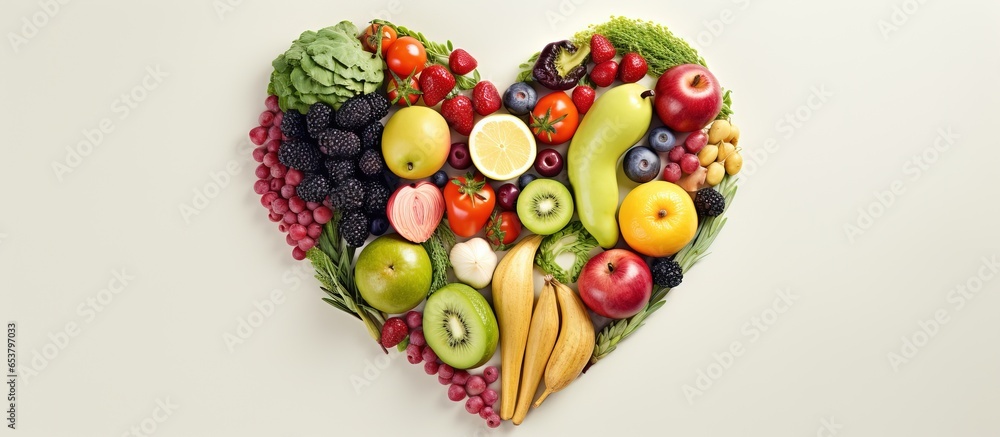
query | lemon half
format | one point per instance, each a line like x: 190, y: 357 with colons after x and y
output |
x: 502, y: 147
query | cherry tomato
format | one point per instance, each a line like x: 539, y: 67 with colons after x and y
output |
x: 371, y: 40
x: 406, y: 56
x: 555, y: 118
x: 469, y: 201
x: 404, y: 96
x: 509, y: 227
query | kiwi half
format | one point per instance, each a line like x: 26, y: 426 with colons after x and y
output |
x: 545, y: 206
x: 460, y: 327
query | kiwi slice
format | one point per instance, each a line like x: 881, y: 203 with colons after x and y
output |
x: 460, y: 327
x: 545, y: 206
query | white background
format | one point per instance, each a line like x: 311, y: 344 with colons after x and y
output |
x: 822, y: 365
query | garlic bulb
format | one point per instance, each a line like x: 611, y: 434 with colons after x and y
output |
x: 474, y: 262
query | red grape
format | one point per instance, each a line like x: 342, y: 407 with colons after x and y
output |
x: 272, y: 103
x: 689, y: 163
x: 314, y: 230
x: 695, y: 141
x: 675, y: 154
x: 456, y: 392
x: 297, y: 232
x: 475, y: 385
x: 258, y: 135
x: 672, y: 172
x: 296, y: 204
x: 266, y: 118
x: 322, y: 215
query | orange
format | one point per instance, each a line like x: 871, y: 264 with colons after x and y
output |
x: 658, y: 219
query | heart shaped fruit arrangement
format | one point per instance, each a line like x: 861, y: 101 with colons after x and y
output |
x: 446, y: 183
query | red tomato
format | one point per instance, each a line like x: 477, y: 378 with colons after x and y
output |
x: 406, y: 56
x: 555, y: 118
x: 371, y: 39
x: 469, y: 201
x: 405, y: 96
x: 508, y: 228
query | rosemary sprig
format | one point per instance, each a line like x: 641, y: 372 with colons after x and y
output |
x: 437, y: 53
x: 614, y: 333
x: 331, y: 259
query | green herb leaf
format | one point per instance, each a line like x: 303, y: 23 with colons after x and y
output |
x: 438, y: 248
x: 574, y: 239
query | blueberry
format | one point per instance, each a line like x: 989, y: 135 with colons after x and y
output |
x: 520, y: 98
x: 525, y: 179
x: 662, y: 139
x: 379, y: 225
x: 440, y: 179
x: 641, y: 164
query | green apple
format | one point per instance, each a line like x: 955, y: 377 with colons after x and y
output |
x: 392, y: 274
x: 416, y: 142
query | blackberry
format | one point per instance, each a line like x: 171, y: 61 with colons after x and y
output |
x: 313, y: 188
x: 370, y: 163
x: 376, y: 197
x: 355, y: 113
x: 319, y: 118
x: 339, y: 143
x: 353, y: 228
x: 293, y: 125
x: 379, y: 104
x: 371, y: 136
x: 349, y: 195
x: 340, y: 169
x: 299, y: 154
x: 709, y: 203
x: 666, y: 272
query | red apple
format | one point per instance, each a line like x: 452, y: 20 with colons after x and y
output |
x: 616, y: 284
x: 687, y: 97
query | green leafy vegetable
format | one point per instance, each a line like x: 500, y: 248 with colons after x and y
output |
x: 574, y: 239
x: 328, y: 66
x: 727, y: 105
x: 611, y: 335
x: 438, y: 247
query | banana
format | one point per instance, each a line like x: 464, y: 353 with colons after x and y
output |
x: 541, y: 339
x: 513, y: 296
x: 574, y: 346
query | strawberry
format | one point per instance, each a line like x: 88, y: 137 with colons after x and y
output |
x: 461, y: 62
x: 604, y: 73
x: 485, y: 98
x: 601, y: 49
x: 436, y: 82
x: 632, y: 68
x: 393, y: 332
x: 583, y: 98
x: 457, y: 111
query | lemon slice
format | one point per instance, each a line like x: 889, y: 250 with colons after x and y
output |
x: 501, y: 147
